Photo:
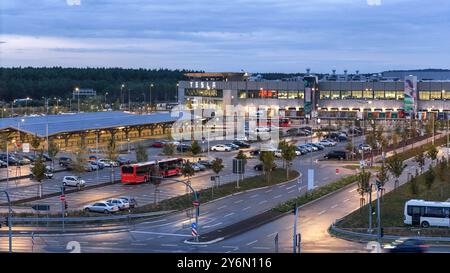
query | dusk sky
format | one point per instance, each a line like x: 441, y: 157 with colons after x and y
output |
x: 254, y: 35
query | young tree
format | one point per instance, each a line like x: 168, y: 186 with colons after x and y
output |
x: 217, y: 166
x: 141, y: 153
x: 363, y: 186
x: 420, y: 159
x: 383, y: 177
x: 111, y: 149
x: 429, y: 178
x: 350, y: 148
x: 288, y: 154
x: 267, y: 158
x: 168, y: 149
x: 395, y: 140
x: 35, y: 143
x: 282, y: 145
x: 396, y: 167
x: 441, y: 173
x: 432, y: 153
x: 80, y: 160
x: 319, y: 134
x: 38, y: 171
x: 195, y: 148
x: 188, y: 171
x: 413, y: 186
x: 53, y: 150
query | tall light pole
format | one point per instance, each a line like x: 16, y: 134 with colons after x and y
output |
x: 78, y: 94
x: 121, y: 94
x: 176, y: 93
x: 129, y: 99
x: 446, y: 119
x: 106, y: 94
x: 150, y: 96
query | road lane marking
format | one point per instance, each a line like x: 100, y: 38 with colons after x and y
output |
x: 224, y: 206
x: 326, y: 178
x: 272, y: 234
x: 170, y: 244
x: 269, y: 190
x: 291, y: 191
x: 334, y: 206
x: 253, y: 196
x: 278, y: 196
x: 161, y: 233
x: 346, y: 200
x: 262, y: 202
x: 322, y: 212
x: 281, y: 186
x: 238, y: 201
x: 229, y: 214
x: 210, y: 226
x: 252, y: 242
x: 293, y: 186
x: 246, y: 208
x: 261, y: 247
x: 352, y: 190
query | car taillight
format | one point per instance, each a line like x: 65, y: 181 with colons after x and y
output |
x: 423, y: 246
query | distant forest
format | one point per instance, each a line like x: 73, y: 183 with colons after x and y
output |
x: 16, y: 83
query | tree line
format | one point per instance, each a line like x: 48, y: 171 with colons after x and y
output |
x: 38, y: 82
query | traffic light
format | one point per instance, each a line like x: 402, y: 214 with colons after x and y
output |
x: 65, y: 205
x: 6, y: 221
x: 381, y: 232
x: 378, y: 184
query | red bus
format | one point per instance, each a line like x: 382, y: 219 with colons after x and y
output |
x: 143, y: 172
x: 285, y: 122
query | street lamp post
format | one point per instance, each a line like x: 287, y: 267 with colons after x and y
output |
x: 122, y: 101
x: 78, y: 95
x: 9, y: 220
x: 150, y: 96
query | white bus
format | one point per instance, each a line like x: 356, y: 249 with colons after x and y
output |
x: 426, y: 213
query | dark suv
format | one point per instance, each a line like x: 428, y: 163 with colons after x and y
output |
x: 184, y: 148
x: 64, y: 161
x: 336, y: 154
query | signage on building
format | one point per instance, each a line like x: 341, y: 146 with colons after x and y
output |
x: 26, y: 147
x: 203, y: 85
x: 410, y: 95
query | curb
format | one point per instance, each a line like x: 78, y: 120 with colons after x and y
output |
x: 204, y: 243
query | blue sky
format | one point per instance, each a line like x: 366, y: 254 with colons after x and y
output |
x: 254, y: 35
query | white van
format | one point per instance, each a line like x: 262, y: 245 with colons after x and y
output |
x: 427, y: 213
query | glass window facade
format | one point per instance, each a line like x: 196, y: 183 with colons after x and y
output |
x: 378, y: 94
x: 424, y: 95
x: 325, y: 95
x: 357, y: 94
x: 335, y: 95
x: 436, y: 95
x: 216, y: 93
x: 368, y: 94
x: 389, y: 95
x: 345, y: 95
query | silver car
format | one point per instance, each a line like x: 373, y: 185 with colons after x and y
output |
x: 122, y: 204
x: 102, y: 207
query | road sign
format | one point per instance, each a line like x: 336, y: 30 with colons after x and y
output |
x: 337, y: 171
x: 62, y: 197
x: 194, y: 229
x: 26, y: 147
x: 41, y: 207
x: 196, y: 203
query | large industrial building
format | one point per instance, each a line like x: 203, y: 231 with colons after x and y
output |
x: 330, y: 97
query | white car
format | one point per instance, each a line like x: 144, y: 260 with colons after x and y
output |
x: 103, y: 207
x: 122, y: 204
x: 73, y: 181
x: 221, y: 148
x: 108, y: 163
x: 365, y: 148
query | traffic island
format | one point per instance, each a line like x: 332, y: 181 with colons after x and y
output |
x: 392, y: 204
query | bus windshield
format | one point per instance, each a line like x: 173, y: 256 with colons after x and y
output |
x: 128, y: 169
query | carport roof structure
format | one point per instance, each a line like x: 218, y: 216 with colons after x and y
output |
x: 79, y: 122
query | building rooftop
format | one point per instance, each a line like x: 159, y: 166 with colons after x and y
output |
x: 77, y: 122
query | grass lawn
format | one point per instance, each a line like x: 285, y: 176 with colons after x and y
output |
x: 392, y: 204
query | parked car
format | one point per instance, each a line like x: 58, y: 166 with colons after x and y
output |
x: 255, y: 152
x: 206, y: 163
x: 364, y: 147
x: 159, y: 144
x: 301, y: 150
x: 122, y: 204
x: 318, y: 146
x: 342, y: 138
x: 89, y: 167
x: 47, y: 174
x: 277, y: 153
x: 3, y: 164
x: 336, y: 154
x: 130, y: 200
x: 103, y: 207
x: 259, y: 167
x: 407, y: 245
x: 12, y: 161
x: 64, y: 161
x: 221, y: 148
x: 32, y: 158
x: 97, y: 163
x: 314, y: 148
x: 108, y: 162
x: 94, y: 150
x: 241, y: 144
x: 73, y: 181
x: 184, y: 148
x: 198, y: 167
x: 123, y: 161
x: 306, y: 147
x: 232, y: 146
x: 325, y: 143
x: 45, y: 157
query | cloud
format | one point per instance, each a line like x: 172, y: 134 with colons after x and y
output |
x: 73, y: 2
x: 374, y: 2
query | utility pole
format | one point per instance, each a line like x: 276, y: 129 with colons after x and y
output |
x: 295, y: 229
x: 150, y: 97
x: 369, y: 190
x: 276, y: 243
